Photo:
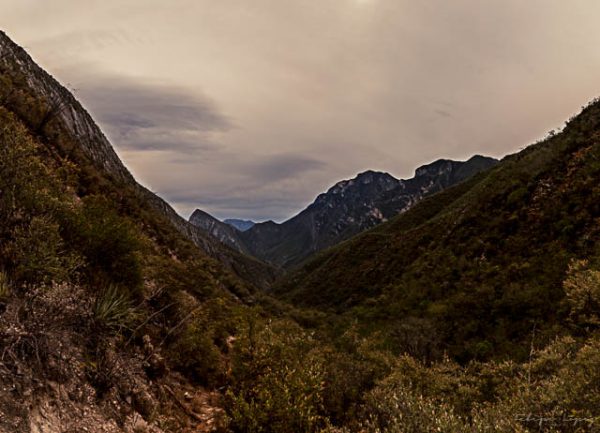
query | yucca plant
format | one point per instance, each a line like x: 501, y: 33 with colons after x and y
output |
x: 113, y: 309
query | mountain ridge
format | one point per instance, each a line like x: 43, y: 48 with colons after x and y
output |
x: 225, y: 233
x: 474, y: 255
x: 352, y: 206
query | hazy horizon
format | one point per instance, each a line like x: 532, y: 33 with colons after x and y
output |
x: 250, y: 110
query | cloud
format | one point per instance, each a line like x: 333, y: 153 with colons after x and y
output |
x: 174, y: 140
x: 278, y: 167
x: 138, y: 114
x: 442, y: 113
x: 252, y: 108
x: 263, y: 187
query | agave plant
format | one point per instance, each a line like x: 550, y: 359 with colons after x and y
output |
x: 113, y: 308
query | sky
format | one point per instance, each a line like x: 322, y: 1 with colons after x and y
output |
x: 251, y: 108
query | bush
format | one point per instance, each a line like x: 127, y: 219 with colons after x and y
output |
x: 38, y: 253
x: 31, y: 196
x: 109, y: 243
x: 392, y: 407
x: 194, y: 352
x: 351, y: 370
x: 277, y: 381
x: 442, y: 397
x: 417, y: 337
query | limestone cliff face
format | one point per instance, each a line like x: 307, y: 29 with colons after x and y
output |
x: 71, y: 113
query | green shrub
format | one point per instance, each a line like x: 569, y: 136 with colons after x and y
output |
x: 582, y: 290
x: 109, y: 243
x: 113, y: 309
x: 439, y: 398
x: 277, y: 381
x: 38, y: 253
x: 394, y: 408
x: 30, y: 243
x: 351, y: 369
x: 195, y: 353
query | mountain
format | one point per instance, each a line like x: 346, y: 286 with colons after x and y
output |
x: 57, y: 105
x: 222, y: 231
x: 479, y: 264
x: 352, y: 206
x: 241, y: 225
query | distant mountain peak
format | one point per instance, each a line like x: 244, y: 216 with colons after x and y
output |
x: 371, y: 174
x: 239, y: 224
x: 435, y: 167
x: 386, y: 180
x: 351, y: 206
x: 226, y: 233
x: 440, y: 166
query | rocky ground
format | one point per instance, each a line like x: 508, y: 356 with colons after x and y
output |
x: 55, y: 376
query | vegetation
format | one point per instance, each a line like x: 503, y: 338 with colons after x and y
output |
x: 479, y: 265
x: 71, y: 227
x: 113, y: 309
x: 582, y: 294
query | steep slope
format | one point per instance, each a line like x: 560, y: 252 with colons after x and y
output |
x: 46, y: 105
x: 222, y: 231
x: 481, y: 263
x: 352, y: 206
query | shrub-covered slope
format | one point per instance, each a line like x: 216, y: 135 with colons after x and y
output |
x: 480, y: 264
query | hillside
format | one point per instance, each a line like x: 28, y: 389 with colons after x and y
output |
x: 350, y: 207
x: 480, y: 264
x: 112, y: 307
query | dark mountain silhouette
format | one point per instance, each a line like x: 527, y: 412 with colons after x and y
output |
x: 352, y: 206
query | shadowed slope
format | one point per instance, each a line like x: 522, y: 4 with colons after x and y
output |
x: 483, y: 261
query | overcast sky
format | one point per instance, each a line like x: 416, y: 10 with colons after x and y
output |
x: 250, y: 108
